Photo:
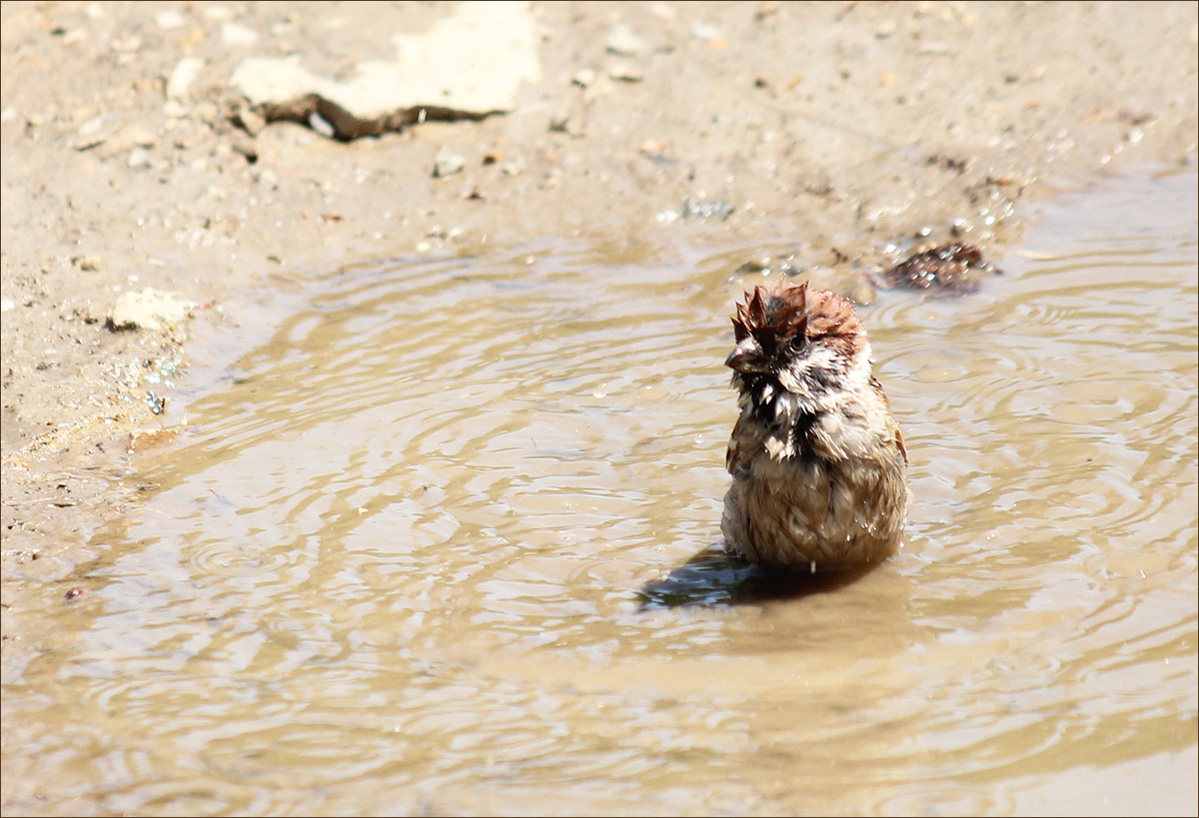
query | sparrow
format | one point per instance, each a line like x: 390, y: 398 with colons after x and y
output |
x: 817, y: 459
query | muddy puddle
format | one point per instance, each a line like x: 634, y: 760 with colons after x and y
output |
x: 446, y: 542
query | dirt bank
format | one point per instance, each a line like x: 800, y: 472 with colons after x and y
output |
x: 839, y: 130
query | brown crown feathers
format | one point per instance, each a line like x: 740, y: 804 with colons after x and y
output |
x: 785, y: 313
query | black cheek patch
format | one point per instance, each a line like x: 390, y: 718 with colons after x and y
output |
x: 804, y: 434
x: 827, y: 379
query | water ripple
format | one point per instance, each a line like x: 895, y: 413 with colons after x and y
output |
x: 450, y: 544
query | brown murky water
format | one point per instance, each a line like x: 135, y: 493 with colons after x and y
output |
x: 448, y: 544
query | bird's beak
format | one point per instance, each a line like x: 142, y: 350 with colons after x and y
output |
x: 747, y: 356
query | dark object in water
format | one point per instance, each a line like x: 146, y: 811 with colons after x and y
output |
x: 945, y: 270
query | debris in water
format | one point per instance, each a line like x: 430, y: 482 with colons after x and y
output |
x: 946, y: 270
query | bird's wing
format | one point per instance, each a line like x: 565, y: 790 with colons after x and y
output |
x: 736, y: 459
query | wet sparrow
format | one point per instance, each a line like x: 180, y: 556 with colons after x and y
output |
x: 817, y: 459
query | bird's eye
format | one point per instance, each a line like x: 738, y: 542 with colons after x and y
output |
x: 796, y: 341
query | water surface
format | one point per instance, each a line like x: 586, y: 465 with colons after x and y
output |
x: 448, y: 542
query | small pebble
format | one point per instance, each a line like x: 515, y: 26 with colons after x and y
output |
x: 181, y: 77
x: 237, y: 34
x: 624, y: 72
x: 169, y: 19
x: 139, y: 157
x: 621, y: 40
x: 447, y: 163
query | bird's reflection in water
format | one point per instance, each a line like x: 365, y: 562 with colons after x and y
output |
x: 713, y: 578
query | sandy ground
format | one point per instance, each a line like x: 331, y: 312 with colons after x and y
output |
x: 843, y: 131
